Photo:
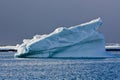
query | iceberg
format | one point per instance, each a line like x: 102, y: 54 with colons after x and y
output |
x: 83, y: 40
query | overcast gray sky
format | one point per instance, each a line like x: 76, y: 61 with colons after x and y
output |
x: 21, y: 19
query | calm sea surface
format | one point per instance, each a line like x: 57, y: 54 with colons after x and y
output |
x: 58, y: 69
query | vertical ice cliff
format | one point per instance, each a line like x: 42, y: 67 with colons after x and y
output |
x: 82, y: 40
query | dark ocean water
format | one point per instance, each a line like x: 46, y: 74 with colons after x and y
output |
x: 58, y: 69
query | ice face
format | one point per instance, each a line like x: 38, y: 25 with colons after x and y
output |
x: 82, y: 40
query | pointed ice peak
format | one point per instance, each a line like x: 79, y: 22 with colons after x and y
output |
x: 96, y: 23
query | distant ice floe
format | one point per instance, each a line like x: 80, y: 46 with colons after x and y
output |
x: 82, y: 40
x: 8, y: 48
x: 112, y: 46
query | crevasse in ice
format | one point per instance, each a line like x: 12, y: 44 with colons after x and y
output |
x: 83, y: 40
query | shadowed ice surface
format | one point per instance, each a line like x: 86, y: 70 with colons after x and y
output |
x: 58, y: 69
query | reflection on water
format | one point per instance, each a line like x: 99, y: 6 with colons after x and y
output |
x: 58, y: 69
x: 117, y: 53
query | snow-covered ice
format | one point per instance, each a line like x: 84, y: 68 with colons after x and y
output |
x: 83, y: 40
x: 8, y: 48
x: 112, y: 46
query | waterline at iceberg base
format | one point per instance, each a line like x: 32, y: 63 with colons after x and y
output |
x: 82, y: 40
